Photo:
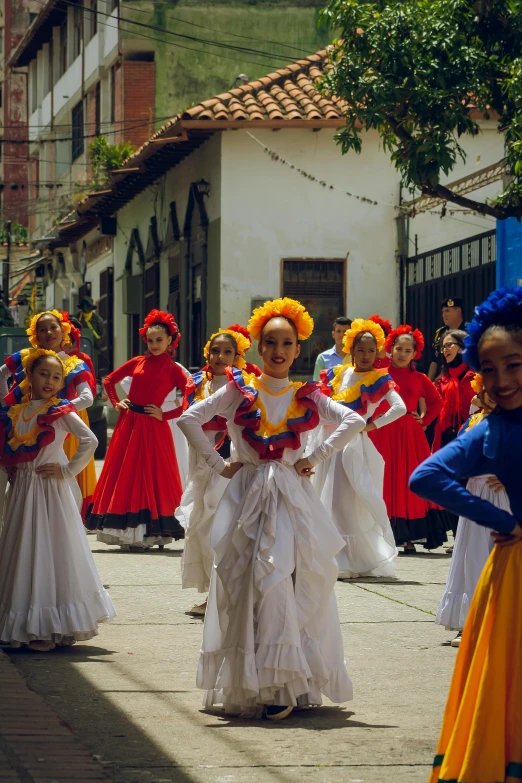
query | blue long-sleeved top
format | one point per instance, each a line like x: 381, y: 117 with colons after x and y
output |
x: 494, y: 446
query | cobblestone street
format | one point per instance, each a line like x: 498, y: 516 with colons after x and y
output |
x: 129, y: 695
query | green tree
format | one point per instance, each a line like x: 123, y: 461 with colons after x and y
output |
x: 105, y: 157
x: 421, y: 73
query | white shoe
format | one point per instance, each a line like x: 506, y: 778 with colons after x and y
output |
x: 198, y: 610
x: 456, y: 641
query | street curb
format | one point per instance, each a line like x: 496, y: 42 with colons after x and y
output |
x: 36, y: 745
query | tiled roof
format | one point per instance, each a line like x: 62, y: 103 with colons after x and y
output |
x: 289, y: 93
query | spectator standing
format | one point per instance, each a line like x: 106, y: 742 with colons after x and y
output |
x: 6, y: 318
x: 452, y: 315
x: 333, y: 356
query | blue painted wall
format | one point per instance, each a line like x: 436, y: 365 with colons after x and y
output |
x: 509, y: 252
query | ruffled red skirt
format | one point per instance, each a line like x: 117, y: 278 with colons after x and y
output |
x: 140, y: 482
x: 403, y: 446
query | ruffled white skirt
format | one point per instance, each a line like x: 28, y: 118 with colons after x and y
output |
x: 473, y: 546
x: 350, y: 485
x: 49, y: 586
x: 196, y: 513
x: 272, y: 633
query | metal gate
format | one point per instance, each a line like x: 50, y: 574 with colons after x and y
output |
x: 464, y: 269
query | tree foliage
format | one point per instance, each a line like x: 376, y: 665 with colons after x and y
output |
x: 423, y: 73
x: 105, y: 157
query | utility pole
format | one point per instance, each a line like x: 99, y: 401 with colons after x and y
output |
x: 7, y: 264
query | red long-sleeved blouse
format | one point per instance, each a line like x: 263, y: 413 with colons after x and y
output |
x: 153, y: 378
x: 412, y: 386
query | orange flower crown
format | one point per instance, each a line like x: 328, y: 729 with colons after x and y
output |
x: 243, y: 344
x: 156, y: 317
x: 386, y: 325
x: 418, y: 339
x: 287, y: 308
x: 477, y: 383
x: 63, y: 319
x: 358, y: 326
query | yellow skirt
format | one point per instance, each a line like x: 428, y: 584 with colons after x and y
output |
x: 481, y: 738
x: 87, y: 478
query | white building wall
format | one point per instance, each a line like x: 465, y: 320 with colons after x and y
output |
x: 174, y: 186
x: 271, y: 212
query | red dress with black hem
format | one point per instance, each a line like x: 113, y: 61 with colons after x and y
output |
x: 403, y: 446
x: 140, y: 482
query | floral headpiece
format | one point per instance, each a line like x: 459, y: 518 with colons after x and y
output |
x: 503, y: 307
x: 358, y: 326
x: 286, y: 308
x: 28, y: 362
x: 383, y: 322
x: 159, y: 317
x: 477, y: 383
x: 65, y: 325
x: 242, y: 330
x: 418, y: 339
x: 243, y: 344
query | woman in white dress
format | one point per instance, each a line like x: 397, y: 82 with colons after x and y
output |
x: 50, y: 591
x: 473, y: 543
x: 225, y: 348
x: 272, y: 638
x: 350, y: 484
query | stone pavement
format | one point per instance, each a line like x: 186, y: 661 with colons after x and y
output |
x: 129, y: 694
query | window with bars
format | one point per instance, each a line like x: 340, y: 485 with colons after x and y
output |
x: 320, y: 285
x: 78, y: 145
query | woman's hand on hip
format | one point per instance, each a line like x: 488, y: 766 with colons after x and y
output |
x: 304, y: 467
x: 510, y: 538
x: 50, y: 470
x: 154, y: 411
x: 122, y: 405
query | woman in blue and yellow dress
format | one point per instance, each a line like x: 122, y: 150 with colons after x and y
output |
x: 351, y: 482
x: 481, y: 738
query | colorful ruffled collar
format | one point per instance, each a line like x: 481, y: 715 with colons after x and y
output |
x: 370, y: 389
x: 76, y: 371
x: 16, y: 449
x: 270, y: 440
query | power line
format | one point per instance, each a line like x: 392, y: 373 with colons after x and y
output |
x: 204, y: 41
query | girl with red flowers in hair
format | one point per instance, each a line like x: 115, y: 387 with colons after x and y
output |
x: 382, y: 362
x: 139, y: 487
x: 403, y: 445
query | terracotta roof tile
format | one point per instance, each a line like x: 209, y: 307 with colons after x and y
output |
x: 290, y: 93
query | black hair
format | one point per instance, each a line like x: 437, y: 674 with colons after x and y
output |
x: 294, y: 327
x: 39, y: 359
x: 360, y: 336
x: 343, y: 320
x: 52, y: 316
x: 515, y: 330
x: 75, y: 322
x: 228, y: 337
x: 458, y: 336
x: 157, y: 324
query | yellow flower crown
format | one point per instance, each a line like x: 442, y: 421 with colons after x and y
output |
x: 243, y: 344
x: 65, y: 325
x: 360, y: 325
x: 29, y: 357
x: 288, y: 308
x: 477, y: 384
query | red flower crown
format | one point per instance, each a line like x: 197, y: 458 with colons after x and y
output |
x: 241, y: 330
x: 157, y: 317
x: 418, y: 339
x: 75, y: 333
x: 385, y: 325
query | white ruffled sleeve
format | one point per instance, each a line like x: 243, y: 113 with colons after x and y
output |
x: 396, y: 410
x: 349, y: 424
x: 223, y: 403
x: 88, y: 442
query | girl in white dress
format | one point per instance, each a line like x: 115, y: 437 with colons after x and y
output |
x: 350, y: 484
x: 473, y: 543
x: 50, y: 591
x: 225, y: 348
x: 271, y: 637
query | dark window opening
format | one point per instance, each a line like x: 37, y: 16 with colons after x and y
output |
x: 63, y: 48
x: 78, y: 145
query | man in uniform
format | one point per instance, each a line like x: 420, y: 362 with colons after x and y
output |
x: 453, y: 319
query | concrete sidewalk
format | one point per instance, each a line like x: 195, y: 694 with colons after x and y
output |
x: 130, y: 697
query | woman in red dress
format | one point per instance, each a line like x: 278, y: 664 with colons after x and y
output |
x: 403, y: 445
x: 140, y: 487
